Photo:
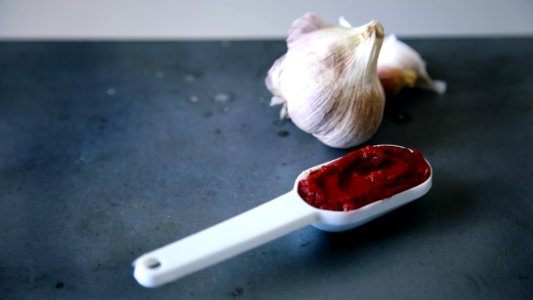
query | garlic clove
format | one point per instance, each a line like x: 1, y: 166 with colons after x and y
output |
x: 394, y: 80
x: 400, y: 66
x: 327, y: 81
x: 397, y: 61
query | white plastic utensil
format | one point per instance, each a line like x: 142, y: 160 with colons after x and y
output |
x: 257, y: 226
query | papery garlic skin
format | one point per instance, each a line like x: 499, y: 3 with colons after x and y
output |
x: 328, y: 82
x: 401, y: 66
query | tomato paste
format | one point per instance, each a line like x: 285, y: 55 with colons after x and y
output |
x: 364, y: 176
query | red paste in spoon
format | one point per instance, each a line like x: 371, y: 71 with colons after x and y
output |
x: 364, y: 176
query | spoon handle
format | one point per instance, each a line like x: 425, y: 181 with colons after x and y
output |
x: 257, y: 226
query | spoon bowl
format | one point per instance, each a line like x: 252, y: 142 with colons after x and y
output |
x: 336, y: 221
x: 257, y: 226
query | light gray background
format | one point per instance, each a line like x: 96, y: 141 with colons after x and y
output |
x: 241, y: 19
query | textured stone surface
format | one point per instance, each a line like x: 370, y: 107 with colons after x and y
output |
x: 109, y: 150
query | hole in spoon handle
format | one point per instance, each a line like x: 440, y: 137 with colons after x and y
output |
x: 250, y: 229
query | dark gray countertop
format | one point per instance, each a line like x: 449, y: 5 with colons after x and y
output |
x: 109, y: 150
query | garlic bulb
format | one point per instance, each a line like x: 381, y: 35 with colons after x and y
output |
x: 328, y: 82
x: 401, y: 66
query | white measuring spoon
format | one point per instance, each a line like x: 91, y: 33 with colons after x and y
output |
x: 255, y: 227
